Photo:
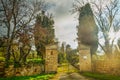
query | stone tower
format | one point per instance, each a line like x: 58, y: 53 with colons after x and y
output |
x: 84, y: 58
x: 51, y: 58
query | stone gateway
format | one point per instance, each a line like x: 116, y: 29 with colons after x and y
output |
x: 51, y: 58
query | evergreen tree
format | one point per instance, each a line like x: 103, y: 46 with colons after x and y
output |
x: 87, y: 29
x: 43, y: 32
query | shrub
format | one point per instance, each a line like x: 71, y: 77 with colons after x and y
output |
x: 36, y: 61
x: 2, y: 59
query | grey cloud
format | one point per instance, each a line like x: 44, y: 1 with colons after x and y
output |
x: 61, y: 7
x: 65, y: 23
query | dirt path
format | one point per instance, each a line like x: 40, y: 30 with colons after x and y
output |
x: 73, y: 76
x: 68, y: 72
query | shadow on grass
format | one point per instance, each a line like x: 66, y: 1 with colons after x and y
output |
x: 99, y: 76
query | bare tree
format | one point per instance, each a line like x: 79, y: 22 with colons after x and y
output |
x: 24, y: 45
x: 15, y: 16
x: 107, y: 21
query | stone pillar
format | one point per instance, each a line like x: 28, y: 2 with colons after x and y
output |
x: 84, y: 58
x: 51, y: 59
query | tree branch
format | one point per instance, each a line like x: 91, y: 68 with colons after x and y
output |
x: 102, y: 47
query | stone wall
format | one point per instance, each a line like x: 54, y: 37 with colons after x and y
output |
x: 21, y: 71
x: 99, y: 64
x: 108, y: 66
x: 2, y: 68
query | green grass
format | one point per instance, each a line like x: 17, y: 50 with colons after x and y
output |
x: 98, y: 76
x: 37, y: 61
x: 34, y: 77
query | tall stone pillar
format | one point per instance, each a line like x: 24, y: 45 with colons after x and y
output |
x: 84, y: 58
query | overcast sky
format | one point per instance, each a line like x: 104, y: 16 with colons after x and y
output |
x: 65, y: 21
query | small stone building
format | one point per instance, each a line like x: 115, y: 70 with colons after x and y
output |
x: 84, y: 58
x: 51, y: 58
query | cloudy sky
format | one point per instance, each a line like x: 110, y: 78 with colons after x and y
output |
x: 65, y: 21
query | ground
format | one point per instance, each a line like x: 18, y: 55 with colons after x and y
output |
x: 68, y: 72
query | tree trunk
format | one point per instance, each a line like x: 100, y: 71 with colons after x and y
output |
x: 108, y: 49
x: 7, y: 55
